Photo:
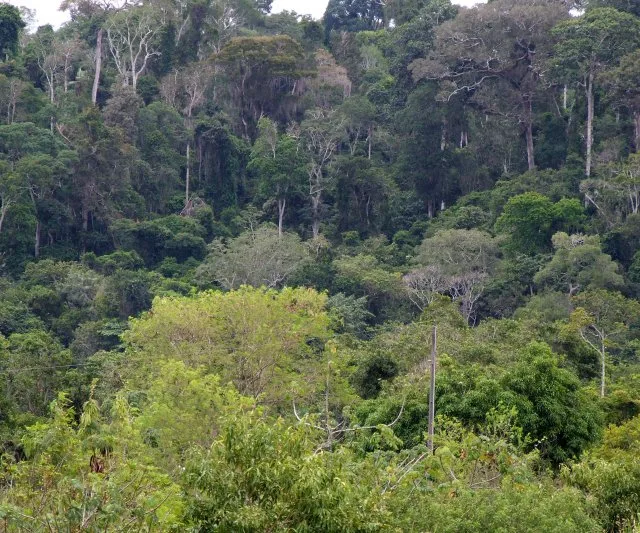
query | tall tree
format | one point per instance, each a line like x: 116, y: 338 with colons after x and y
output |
x: 278, y: 160
x: 353, y: 15
x: 587, y: 45
x: 11, y: 25
x: 602, y: 319
x: 615, y: 192
x: 131, y: 33
x: 262, y: 72
x: 96, y: 11
x: 623, y: 85
x: 504, y: 42
x: 456, y: 262
x: 579, y: 264
x: 320, y: 135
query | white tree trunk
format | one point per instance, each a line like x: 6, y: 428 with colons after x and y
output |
x: 96, y: 77
x: 188, y: 176
x: 603, y: 373
x: 636, y: 131
x: 282, y: 203
x: 528, y: 114
x: 590, y: 114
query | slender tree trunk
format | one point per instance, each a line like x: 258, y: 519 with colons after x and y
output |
x: 282, y: 203
x: 590, y: 113
x: 531, y: 163
x: 188, y: 176
x: 36, y: 248
x: 52, y: 99
x: 3, y: 214
x: 315, y: 209
x: 528, y: 114
x: 432, y: 390
x: 603, y: 374
x: 96, y: 78
x: 564, y: 98
x: 636, y: 131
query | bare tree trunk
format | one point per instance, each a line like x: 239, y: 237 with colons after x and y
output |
x: 200, y: 155
x: 282, y: 203
x: 531, y: 163
x: 52, y: 99
x: 96, y: 78
x: 188, y: 176
x: 564, y: 98
x: 636, y: 131
x: 603, y: 373
x: 36, y: 248
x: 432, y: 390
x: 590, y: 113
x: 3, y: 214
x: 315, y: 209
x: 528, y: 116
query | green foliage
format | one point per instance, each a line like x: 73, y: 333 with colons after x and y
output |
x: 11, y: 25
x: 35, y: 366
x: 551, y: 406
x: 348, y: 314
x: 610, y: 475
x: 266, y: 342
x: 578, y: 264
x: 92, y: 475
x: 420, y: 173
x: 258, y: 257
x: 353, y: 15
x: 261, y: 475
x: 171, y: 236
x: 530, y: 219
x: 254, y: 65
x: 589, y: 42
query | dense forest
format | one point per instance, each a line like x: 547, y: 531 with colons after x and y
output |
x: 227, y: 236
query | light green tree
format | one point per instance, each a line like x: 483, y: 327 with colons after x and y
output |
x: 602, y: 319
x: 579, y: 264
x: 454, y: 261
x: 87, y: 476
x: 266, y: 342
x: 259, y: 257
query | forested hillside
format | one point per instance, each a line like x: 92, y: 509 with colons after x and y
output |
x: 227, y: 235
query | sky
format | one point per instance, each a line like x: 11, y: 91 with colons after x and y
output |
x: 47, y: 10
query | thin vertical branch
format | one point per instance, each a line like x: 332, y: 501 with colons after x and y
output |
x: 432, y: 388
